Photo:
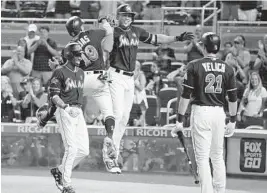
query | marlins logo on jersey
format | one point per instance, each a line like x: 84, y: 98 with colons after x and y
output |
x: 124, y: 41
x: 71, y: 84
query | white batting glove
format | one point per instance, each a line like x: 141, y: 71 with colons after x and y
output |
x: 178, y: 127
x: 230, y: 129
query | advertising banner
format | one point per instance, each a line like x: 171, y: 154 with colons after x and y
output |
x: 142, y: 149
x: 253, y: 155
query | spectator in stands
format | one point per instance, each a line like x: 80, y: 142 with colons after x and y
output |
x: 10, y: 8
x: 22, y: 42
x: 247, y: 10
x: 193, y: 49
x: 43, y: 49
x: 33, y: 9
x: 30, y: 38
x: 155, y: 82
x: 153, y: 10
x: 90, y: 9
x: 140, y: 94
x: 194, y: 15
x: 264, y: 11
x: 75, y: 7
x: 226, y: 50
x: 164, y: 55
x: 16, y: 69
x: 261, y: 61
x: 251, y: 107
x: 8, y: 101
x: 138, y: 8
x: 240, y: 55
x: 33, y: 97
x: 229, y: 10
x: 62, y: 9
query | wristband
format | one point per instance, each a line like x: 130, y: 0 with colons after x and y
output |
x: 233, y: 119
x: 177, y: 38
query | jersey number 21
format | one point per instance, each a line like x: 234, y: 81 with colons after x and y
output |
x: 214, y: 83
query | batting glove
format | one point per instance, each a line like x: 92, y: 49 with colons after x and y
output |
x: 178, y: 127
x: 230, y: 129
x: 185, y: 36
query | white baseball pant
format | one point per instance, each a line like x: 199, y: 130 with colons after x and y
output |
x: 122, y: 94
x: 75, y: 139
x: 100, y: 92
x: 208, y: 125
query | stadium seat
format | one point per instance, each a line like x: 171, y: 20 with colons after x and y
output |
x: 165, y: 95
x: 152, y: 112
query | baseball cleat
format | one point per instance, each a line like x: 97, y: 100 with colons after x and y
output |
x: 112, y: 166
x: 68, y: 189
x: 58, y: 178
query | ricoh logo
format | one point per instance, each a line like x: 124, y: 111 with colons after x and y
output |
x: 252, y: 154
x: 152, y: 132
x: 33, y: 129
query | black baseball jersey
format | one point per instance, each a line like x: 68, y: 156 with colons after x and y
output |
x: 90, y: 42
x: 124, y: 52
x: 211, y: 79
x: 68, y: 84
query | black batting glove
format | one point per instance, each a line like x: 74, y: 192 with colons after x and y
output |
x: 185, y: 36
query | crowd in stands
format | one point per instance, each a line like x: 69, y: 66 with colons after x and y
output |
x: 145, y: 9
x: 25, y: 75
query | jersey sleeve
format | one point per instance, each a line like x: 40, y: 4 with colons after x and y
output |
x: 56, y: 83
x: 230, y: 80
x: 144, y: 35
x: 189, y: 77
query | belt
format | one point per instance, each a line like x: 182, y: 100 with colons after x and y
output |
x: 94, y: 72
x: 124, y: 72
x: 75, y: 105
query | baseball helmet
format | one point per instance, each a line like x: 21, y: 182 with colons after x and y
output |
x: 211, y: 42
x: 74, y: 25
x: 42, y: 112
x: 72, y: 49
x: 125, y: 9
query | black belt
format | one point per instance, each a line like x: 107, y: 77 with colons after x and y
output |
x: 75, y: 105
x: 124, y: 73
x: 96, y: 71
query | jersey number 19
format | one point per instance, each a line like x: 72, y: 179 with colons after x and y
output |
x: 214, y: 83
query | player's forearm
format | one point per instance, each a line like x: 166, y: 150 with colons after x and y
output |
x: 164, y: 39
x: 59, y: 102
x: 107, y: 43
x: 232, y: 110
x: 183, y: 104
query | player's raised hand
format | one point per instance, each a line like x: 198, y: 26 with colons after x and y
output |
x: 178, y: 127
x: 230, y: 129
x: 54, y: 63
x: 185, y: 36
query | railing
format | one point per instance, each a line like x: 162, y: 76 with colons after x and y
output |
x: 168, y: 117
x: 203, y: 9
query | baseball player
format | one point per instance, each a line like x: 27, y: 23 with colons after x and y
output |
x: 96, y: 45
x: 66, y: 92
x: 122, y: 65
x: 208, y: 81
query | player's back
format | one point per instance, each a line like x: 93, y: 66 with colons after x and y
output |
x: 90, y: 42
x: 212, y: 78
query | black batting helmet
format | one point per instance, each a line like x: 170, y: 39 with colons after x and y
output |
x: 72, y: 49
x: 74, y: 25
x: 211, y: 42
x: 125, y: 9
